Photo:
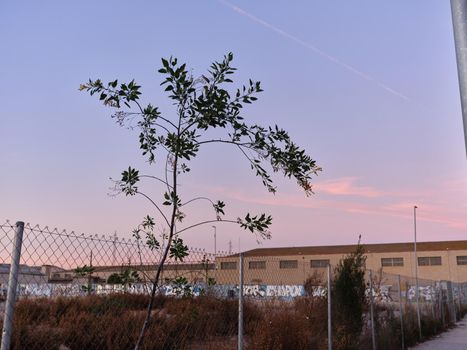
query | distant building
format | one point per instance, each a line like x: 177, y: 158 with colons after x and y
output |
x: 446, y: 260
x: 193, y: 272
x: 27, y: 274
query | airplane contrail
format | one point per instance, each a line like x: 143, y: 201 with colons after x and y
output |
x: 314, y: 48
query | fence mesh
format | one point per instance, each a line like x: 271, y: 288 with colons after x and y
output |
x: 77, y: 291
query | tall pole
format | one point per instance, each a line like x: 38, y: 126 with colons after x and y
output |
x: 12, y: 283
x: 372, y: 316
x: 215, y: 239
x: 417, y: 297
x: 401, y: 313
x: 459, y: 22
x: 240, y: 304
x: 329, y: 309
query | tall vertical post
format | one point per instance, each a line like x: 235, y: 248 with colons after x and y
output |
x: 329, y: 309
x: 12, y: 283
x: 372, y: 316
x: 432, y: 295
x: 417, y: 291
x: 401, y: 313
x: 215, y: 239
x: 240, y: 304
x: 90, y: 274
x: 451, y: 306
x: 441, y: 306
x: 114, y: 249
x: 459, y: 296
x: 459, y: 22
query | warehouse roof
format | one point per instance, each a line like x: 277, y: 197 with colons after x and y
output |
x: 369, y: 248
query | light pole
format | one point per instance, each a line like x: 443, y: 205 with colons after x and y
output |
x: 459, y: 22
x: 416, y: 270
x: 215, y: 243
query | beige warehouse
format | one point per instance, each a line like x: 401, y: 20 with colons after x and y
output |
x: 445, y: 260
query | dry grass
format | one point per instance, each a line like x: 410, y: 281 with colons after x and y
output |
x: 204, y: 323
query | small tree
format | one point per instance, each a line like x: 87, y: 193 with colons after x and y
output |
x: 348, y: 290
x: 85, y: 271
x: 126, y: 278
x: 206, y: 114
x: 115, y: 278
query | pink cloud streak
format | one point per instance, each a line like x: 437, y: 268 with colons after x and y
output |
x: 372, y: 201
x: 345, y: 186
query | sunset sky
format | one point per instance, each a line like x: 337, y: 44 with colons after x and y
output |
x: 368, y: 88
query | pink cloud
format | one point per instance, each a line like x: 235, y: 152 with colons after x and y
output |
x: 345, y: 186
x: 442, y: 202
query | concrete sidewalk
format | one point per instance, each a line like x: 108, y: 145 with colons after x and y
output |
x: 454, y: 339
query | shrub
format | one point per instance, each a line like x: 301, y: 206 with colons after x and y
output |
x: 348, y: 298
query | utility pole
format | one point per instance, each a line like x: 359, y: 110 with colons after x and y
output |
x: 215, y: 239
x: 459, y: 23
x: 417, y: 296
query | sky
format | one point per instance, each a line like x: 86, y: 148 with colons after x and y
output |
x: 368, y: 88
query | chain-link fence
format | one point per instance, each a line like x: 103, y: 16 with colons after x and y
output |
x: 76, y: 291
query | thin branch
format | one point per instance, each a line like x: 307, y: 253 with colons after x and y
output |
x: 243, y: 144
x: 246, y: 155
x: 195, y: 199
x: 207, y: 222
x: 139, y: 106
x: 162, y: 127
x: 156, y: 178
x: 167, y: 171
x: 157, y: 207
x: 167, y: 121
x: 158, y: 117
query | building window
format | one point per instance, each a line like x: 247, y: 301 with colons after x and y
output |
x: 288, y: 264
x: 257, y: 265
x: 392, y: 261
x: 429, y: 261
x: 228, y: 265
x: 461, y: 260
x: 319, y: 263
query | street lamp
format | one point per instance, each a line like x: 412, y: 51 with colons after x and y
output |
x: 215, y: 243
x: 416, y: 270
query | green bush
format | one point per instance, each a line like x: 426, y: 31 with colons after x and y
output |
x: 348, y: 299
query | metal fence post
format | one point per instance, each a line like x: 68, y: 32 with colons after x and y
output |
x: 401, y: 313
x: 240, y: 304
x: 329, y: 309
x: 12, y: 283
x: 433, y: 305
x: 450, y: 300
x: 372, y: 319
x: 441, y: 306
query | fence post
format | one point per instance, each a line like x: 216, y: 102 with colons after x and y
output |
x: 451, y: 305
x: 240, y: 304
x: 441, y: 306
x: 12, y: 283
x: 459, y: 295
x: 401, y: 313
x: 432, y: 294
x: 373, y: 339
x: 329, y: 309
